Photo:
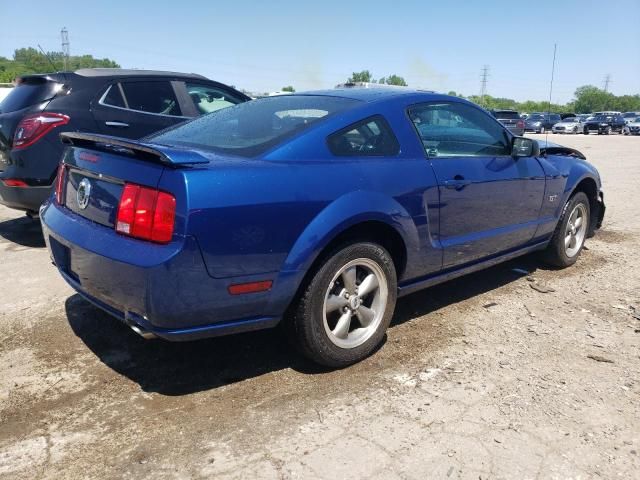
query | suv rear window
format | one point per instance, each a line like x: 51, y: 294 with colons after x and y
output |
x: 29, y: 91
x: 506, y: 115
x: 252, y: 128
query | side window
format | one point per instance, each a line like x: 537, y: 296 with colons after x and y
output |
x: 113, y: 97
x: 151, y: 97
x: 451, y: 129
x: 210, y: 99
x: 369, y: 137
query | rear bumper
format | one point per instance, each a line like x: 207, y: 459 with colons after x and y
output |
x: 161, y: 290
x: 24, y: 198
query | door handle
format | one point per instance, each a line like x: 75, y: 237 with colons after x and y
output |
x: 117, y: 124
x: 458, y: 182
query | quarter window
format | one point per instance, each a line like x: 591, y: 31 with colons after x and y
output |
x: 152, y: 97
x: 369, y: 137
x: 113, y: 97
x: 452, y: 129
x: 210, y: 99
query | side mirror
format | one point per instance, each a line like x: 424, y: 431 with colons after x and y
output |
x: 524, y: 147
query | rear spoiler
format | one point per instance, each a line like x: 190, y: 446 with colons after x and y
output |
x: 172, y: 157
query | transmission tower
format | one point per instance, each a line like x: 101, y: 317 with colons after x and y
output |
x: 607, y: 81
x: 64, y: 35
x: 483, y: 83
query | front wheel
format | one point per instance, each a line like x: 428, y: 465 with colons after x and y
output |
x: 542, y: 130
x: 608, y: 131
x: 346, y: 307
x: 570, y: 233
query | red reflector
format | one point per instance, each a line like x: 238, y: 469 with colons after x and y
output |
x: 146, y: 213
x: 14, y: 182
x: 33, y: 127
x: 60, y: 183
x: 252, y: 287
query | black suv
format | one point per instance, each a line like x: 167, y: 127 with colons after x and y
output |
x: 605, y: 124
x: 118, y: 102
x: 510, y: 119
x: 541, y: 122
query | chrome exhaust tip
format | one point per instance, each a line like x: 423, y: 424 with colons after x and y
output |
x: 147, y: 335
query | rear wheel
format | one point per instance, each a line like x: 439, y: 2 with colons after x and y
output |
x: 346, y: 308
x: 570, y: 233
x: 542, y: 129
x: 608, y: 131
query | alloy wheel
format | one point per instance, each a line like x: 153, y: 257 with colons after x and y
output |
x: 355, y: 303
x: 576, y: 230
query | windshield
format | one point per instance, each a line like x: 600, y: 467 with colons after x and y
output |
x: 630, y: 115
x: 251, y: 128
x: 535, y: 117
x: 510, y: 115
x: 602, y: 118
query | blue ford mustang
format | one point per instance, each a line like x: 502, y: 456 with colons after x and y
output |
x: 316, y: 209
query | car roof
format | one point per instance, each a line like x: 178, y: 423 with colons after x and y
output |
x: 113, y: 73
x: 371, y: 94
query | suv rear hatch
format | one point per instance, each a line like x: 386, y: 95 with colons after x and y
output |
x: 30, y: 91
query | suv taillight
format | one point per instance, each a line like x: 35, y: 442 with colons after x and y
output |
x: 520, y: 124
x: 62, y: 172
x: 33, y: 127
x: 146, y: 213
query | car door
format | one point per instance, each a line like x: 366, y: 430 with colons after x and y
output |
x: 489, y: 201
x: 134, y: 108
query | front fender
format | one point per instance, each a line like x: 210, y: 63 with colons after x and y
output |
x: 346, y: 211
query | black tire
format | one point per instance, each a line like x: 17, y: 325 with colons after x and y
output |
x: 542, y: 130
x: 585, y: 131
x: 555, y: 253
x: 608, y: 131
x: 307, y: 323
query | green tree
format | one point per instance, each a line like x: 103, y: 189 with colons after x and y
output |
x: 288, y: 88
x: 591, y: 99
x: 393, y: 80
x: 363, y: 76
x: 29, y: 60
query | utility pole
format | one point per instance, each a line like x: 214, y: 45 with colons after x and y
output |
x: 483, y: 84
x: 607, y: 81
x: 64, y: 35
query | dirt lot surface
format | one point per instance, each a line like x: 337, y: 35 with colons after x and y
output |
x: 483, y: 377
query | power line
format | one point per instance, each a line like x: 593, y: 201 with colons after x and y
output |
x: 607, y: 81
x: 64, y: 36
x: 483, y: 83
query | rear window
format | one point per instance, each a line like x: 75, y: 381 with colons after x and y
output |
x: 507, y: 115
x: 251, y: 128
x: 29, y: 92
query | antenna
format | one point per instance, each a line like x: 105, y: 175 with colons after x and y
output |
x: 48, y: 58
x: 64, y: 36
x: 483, y: 84
x: 553, y: 71
x: 607, y: 81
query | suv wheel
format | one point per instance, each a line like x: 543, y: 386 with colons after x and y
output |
x: 347, y: 306
x: 568, y: 238
x: 608, y: 131
x: 542, y: 129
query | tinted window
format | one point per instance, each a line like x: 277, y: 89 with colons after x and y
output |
x: 458, y: 130
x: 29, y: 92
x: 369, y: 137
x: 113, y: 97
x: 152, y: 97
x: 507, y: 115
x: 210, y: 99
x: 251, y: 128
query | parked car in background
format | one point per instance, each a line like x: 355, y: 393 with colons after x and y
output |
x: 634, y: 127
x: 584, y: 117
x: 605, y: 124
x: 630, y: 116
x: 541, y: 122
x: 125, y: 103
x: 568, y: 125
x: 316, y: 209
x: 510, y: 119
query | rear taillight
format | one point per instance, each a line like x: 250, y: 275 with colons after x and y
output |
x: 520, y: 124
x: 146, y: 213
x: 33, y: 127
x: 14, y: 182
x: 62, y: 172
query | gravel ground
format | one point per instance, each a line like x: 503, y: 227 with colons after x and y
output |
x: 483, y: 377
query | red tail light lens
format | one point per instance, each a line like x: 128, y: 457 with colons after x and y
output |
x: 146, y: 213
x: 520, y: 124
x: 60, y: 178
x: 33, y: 127
x: 14, y: 182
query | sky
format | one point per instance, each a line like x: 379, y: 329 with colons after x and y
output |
x: 436, y: 45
